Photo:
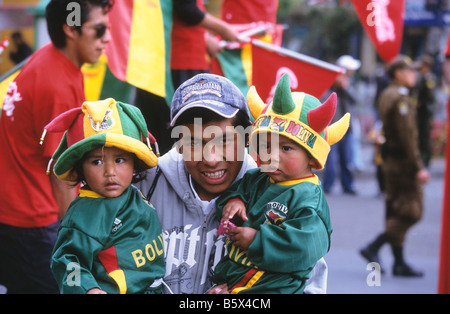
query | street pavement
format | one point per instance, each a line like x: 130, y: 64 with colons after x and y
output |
x: 358, y: 219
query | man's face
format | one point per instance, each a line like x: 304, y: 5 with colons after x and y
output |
x: 94, y: 36
x: 406, y: 77
x: 213, y: 155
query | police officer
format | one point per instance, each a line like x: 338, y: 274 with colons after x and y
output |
x: 402, y: 167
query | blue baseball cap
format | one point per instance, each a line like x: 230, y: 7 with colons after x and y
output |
x: 209, y: 91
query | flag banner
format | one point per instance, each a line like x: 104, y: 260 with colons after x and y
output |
x: 100, y: 83
x: 383, y: 21
x: 307, y: 74
x: 236, y: 64
x: 137, y: 51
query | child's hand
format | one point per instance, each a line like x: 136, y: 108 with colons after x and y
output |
x: 96, y: 291
x: 232, y: 208
x: 243, y: 237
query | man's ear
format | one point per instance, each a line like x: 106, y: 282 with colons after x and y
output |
x: 69, y: 31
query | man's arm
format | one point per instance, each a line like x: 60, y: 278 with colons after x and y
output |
x: 63, y: 192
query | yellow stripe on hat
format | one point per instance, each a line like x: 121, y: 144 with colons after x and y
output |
x: 129, y: 144
x: 295, y: 130
x: 101, y: 116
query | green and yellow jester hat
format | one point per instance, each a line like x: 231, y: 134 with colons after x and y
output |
x: 99, y: 123
x: 299, y: 117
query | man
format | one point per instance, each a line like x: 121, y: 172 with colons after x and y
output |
x: 403, y: 169
x: 190, y: 39
x: 49, y: 84
x: 210, y: 122
x: 342, y: 153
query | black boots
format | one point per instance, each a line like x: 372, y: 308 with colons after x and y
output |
x: 370, y: 253
x: 400, y: 269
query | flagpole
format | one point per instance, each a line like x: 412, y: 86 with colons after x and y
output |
x: 299, y: 56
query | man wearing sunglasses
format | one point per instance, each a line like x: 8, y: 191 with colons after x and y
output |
x: 49, y: 84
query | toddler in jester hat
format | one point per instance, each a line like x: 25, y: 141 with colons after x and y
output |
x: 110, y: 239
x: 281, y: 210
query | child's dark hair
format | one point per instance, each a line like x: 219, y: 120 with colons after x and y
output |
x: 57, y: 12
x: 140, y: 171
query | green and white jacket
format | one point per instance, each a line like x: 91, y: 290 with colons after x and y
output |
x: 114, y: 244
x: 294, y: 229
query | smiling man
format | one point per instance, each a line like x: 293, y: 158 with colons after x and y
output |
x: 49, y: 84
x: 210, y: 124
x: 208, y: 118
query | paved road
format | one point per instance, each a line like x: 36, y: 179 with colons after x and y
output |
x: 358, y: 219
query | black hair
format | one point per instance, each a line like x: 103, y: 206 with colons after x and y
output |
x: 57, y: 13
x: 140, y: 171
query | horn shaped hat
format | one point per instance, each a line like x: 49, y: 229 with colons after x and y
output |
x: 99, y: 123
x: 299, y: 117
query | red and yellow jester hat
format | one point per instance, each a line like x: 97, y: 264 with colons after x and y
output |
x: 299, y: 117
x: 99, y: 123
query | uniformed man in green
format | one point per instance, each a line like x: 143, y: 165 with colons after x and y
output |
x: 403, y: 169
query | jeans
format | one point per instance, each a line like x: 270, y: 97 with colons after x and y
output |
x: 25, y: 255
x: 340, y: 155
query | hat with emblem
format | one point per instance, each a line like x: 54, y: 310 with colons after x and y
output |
x: 209, y: 91
x: 299, y: 117
x: 99, y: 123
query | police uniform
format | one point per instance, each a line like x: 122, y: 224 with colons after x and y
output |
x: 401, y: 164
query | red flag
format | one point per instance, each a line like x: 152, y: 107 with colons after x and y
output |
x: 307, y: 74
x: 444, y: 262
x: 383, y: 22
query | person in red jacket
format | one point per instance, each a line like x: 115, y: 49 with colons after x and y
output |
x: 191, y: 24
x: 49, y: 84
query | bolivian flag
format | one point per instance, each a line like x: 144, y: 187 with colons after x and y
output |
x: 137, y: 53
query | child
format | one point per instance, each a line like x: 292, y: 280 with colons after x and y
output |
x: 110, y: 240
x: 286, y: 225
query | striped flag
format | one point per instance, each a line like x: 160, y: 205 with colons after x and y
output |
x: 100, y: 83
x: 137, y: 53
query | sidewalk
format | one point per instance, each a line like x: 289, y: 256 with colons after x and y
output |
x: 358, y: 219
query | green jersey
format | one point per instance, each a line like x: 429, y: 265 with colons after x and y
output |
x: 294, y: 229
x: 114, y: 244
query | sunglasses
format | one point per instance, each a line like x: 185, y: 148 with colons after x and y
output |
x: 100, y: 30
